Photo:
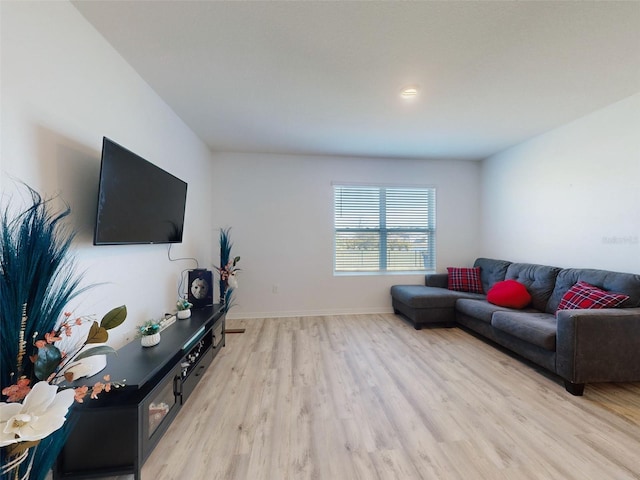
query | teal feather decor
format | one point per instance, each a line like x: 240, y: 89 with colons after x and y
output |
x: 225, y: 246
x: 227, y: 270
x: 228, y: 299
x: 38, y: 278
x: 225, y: 253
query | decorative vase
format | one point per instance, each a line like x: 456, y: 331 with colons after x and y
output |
x: 182, y: 314
x: 150, y: 340
x: 223, y: 291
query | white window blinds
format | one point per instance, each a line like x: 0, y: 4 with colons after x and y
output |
x: 384, y: 228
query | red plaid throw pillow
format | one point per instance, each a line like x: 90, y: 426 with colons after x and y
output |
x: 464, y: 279
x: 584, y: 295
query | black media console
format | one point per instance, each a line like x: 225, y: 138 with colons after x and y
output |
x: 114, y: 434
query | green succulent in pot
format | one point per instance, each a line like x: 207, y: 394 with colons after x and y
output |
x: 182, y: 304
x: 150, y: 327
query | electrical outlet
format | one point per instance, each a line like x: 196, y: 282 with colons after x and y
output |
x: 274, y: 288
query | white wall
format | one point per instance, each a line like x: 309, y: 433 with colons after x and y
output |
x: 570, y: 197
x: 280, y: 210
x: 63, y: 87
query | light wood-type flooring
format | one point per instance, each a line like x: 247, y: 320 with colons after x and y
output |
x: 368, y: 397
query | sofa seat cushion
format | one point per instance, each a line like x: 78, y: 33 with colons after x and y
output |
x: 478, y: 308
x: 536, y: 328
x: 420, y: 296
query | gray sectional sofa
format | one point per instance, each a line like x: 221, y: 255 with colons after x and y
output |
x: 581, y: 345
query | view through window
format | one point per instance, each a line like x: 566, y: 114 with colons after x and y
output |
x: 380, y: 229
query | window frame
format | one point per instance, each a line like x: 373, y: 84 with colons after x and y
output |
x: 383, y: 231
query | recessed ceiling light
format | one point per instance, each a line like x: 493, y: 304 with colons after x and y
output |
x: 409, y: 92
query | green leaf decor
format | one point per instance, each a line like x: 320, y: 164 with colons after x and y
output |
x: 48, y: 359
x: 90, y: 352
x: 114, y: 318
x: 97, y: 334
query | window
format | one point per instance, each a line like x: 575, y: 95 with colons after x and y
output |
x: 383, y: 229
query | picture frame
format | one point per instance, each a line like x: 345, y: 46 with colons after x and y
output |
x: 200, y: 287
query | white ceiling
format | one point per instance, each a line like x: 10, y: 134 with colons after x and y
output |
x: 324, y: 77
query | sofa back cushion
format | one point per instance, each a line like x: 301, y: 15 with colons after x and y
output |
x: 626, y: 283
x: 540, y: 281
x: 491, y: 271
x: 585, y: 296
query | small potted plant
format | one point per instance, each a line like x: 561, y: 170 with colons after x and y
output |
x: 184, y: 309
x: 149, y: 333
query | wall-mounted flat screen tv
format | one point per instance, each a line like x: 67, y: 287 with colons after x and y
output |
x: 138, y: 202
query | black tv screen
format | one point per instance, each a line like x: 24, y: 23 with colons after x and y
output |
x: 138, y: 202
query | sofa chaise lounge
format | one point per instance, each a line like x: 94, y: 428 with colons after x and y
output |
x: 579, y: 345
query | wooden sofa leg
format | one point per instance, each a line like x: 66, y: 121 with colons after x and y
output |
x: 576, y: 389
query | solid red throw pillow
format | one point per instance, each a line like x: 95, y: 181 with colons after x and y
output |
x: 509, y: 293
x: 464, y: 279
x: 585, y: 295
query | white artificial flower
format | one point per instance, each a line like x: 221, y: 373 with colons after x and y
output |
x: 42, y: 413
x: 233, y: 280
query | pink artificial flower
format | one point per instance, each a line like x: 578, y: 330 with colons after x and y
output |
x: 51, y: 337
x: 80, y: 393
x: 17, y: 392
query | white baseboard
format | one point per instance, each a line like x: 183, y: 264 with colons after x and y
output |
x: 307, y: 313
